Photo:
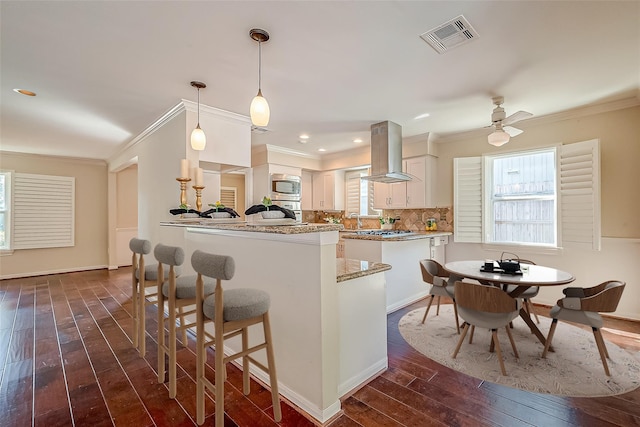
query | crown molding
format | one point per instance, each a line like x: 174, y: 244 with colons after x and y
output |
x: 282, y: 150
x: 84, y: 160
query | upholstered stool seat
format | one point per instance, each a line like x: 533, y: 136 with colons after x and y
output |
x: 239, y: 304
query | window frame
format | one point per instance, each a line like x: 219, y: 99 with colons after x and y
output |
x: 8, y: 212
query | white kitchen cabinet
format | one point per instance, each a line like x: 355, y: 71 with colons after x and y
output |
x: 328, y: 191
x: 306, y: 198
x: 415, y: 194
x: 389, y: 196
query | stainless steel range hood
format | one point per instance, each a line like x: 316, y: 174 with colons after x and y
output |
x: 386, y: 153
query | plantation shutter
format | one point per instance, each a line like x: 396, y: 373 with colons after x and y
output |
x: 467, y: 199
x: 44, y: 211
x: 228, y: 197
x: 580, y: 195
x: 370, y: 209
x: 352, y: 179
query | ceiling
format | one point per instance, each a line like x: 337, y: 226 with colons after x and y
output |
x: 104, y: 71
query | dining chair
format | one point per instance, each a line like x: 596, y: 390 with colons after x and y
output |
x: 486, y: 307
x: 584, y: 305
x: 143, y: 276
x: 179, y: 293
x: 434, y: 274
x: 232, y: 312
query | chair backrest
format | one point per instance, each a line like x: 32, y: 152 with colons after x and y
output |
x: 170, y: 255
x: 140, y: 246
x: 605, y: 301
x: 486, y: 298
x: 215, y: 266
x: 431, y: 269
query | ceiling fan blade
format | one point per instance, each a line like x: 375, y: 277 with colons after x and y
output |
x: 516, y: 117
x: 512, y: 131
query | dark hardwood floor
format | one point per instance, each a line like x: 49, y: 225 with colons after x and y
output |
x: 66, y: 359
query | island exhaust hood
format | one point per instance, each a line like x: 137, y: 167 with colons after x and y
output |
x: 386, y: 153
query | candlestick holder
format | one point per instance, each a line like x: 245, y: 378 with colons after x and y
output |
x: 198, y: 189
x: 183, y: 189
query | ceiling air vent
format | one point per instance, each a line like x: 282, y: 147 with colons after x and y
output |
x: 454, y: 33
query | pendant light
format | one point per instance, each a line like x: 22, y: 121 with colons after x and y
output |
x: 259, y: 110
x: 198, y: 138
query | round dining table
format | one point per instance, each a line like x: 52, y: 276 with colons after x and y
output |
x: 531, y: 275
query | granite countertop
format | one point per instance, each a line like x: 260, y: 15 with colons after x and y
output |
x: 351, y: 234
x: 347, y: 269
x: 293, y: 228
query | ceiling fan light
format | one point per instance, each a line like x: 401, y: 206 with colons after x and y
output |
x: 498, y: 138
x: 259, y: 110
x: 198, y: 139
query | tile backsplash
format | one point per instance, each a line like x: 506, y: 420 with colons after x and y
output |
x: 408, y: 219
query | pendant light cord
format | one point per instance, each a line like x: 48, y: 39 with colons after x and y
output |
x: 198, y: 107
x: 260, y: 66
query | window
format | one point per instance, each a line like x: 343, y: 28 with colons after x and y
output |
x: 5, y: 212
x: 36, y: 211
x: 547, y: 197
x: 521, y: 198
x: 359, y: 194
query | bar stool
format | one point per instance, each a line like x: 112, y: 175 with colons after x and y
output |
x: 179, y: 292
x: 140, y: 282
x: 232, y: 312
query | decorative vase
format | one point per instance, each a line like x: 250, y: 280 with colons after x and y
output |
x: 386, y: 226
x: 220, y: 215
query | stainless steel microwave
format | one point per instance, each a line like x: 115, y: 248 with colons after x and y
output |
x: 285, y: 187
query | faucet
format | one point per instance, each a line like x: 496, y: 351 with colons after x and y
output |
x: 358, y: 220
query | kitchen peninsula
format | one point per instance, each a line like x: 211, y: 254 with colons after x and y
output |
x: 328, y: 316
x: 403, y: 252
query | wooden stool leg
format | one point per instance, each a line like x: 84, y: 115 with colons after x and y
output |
x: 161, y: 339
x: 438, y: 307
x: 428, y: 307
x: 246, y: 386
x: 142, y: 300
x: 134, y: 307
x: 547, y: 344
x: 271, y: 364
x: 200, y: 361
x: 473, y: 329
x: 464, y: 333
x: 172, y: 346
x: 530, y: 310
x: 184, y: 330
x: 602, y: 348
x: 494, y: 335
x: 220, y: 374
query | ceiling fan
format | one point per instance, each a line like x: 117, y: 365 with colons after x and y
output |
x: 502, y: 131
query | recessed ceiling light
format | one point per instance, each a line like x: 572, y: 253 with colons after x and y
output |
x: 24, y: 92
x: 357, y: 140
x: 321, y: 149
x: 304, y: 136
x: 421, y: 116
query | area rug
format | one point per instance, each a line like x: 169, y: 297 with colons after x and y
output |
x: 574, y: 369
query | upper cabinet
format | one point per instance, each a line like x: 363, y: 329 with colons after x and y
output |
x: 415, y: 194
x: 306, y: 198
x: 328, y: 191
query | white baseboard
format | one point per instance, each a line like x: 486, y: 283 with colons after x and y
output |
x: 48, y: 272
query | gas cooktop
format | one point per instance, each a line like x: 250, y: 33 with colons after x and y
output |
x: 383, y: 233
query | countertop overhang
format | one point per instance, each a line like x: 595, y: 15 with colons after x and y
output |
x: 347, y: 269
x: 351, y: 234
